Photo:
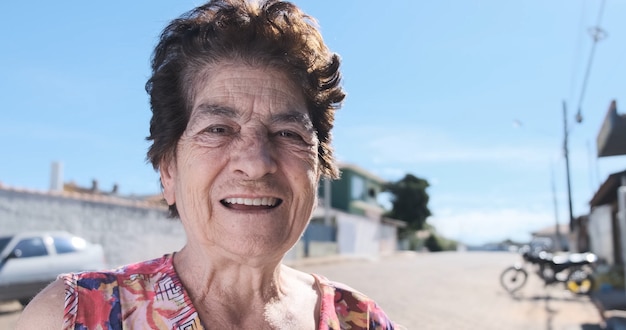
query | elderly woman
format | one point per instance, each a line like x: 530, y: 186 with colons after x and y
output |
x: 243, y: 96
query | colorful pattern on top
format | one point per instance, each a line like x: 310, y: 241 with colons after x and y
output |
x: 150, y: 295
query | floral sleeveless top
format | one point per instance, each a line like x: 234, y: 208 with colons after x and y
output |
x: 150, y: 295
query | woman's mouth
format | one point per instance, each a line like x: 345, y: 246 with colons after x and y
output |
x: 251, y: 203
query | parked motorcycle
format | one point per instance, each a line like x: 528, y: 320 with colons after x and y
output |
x: 574, y: 270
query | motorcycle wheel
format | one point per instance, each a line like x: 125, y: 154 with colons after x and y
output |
x: 513, y: 278
x: 580, y: 282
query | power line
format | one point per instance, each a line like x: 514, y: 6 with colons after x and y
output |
x: 597, y: 34
x: 577, y: 56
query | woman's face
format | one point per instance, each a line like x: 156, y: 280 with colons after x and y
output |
x: 244, y: 178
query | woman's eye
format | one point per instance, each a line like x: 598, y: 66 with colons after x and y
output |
x: 216, y: 130
x: 288, y: 134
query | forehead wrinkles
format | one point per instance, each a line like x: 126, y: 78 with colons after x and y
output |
x: 249, y: 90
x: 225, y: 78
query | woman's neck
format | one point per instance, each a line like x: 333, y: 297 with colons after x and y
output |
x: 229, y: 292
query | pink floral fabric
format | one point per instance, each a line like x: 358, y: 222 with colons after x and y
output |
x: 150, y: 295
x: 345, y: 308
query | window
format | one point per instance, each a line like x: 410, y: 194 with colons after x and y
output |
x: 4, y: 241
x: 371, y: 193
x: 69, y: 244
x: 358, y: 187
x: 30, y: 247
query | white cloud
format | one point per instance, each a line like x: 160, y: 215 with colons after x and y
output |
x: 490, y: 225
x: 419, y: 145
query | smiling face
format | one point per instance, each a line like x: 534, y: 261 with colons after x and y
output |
x: 245, y: 172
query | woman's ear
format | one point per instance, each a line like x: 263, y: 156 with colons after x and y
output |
x: 167, y: 170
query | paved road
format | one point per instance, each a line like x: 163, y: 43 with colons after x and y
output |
x: 461, y: 291
x: 446, y: 291
x: 9, y: 312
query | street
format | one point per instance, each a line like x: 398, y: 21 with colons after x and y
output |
x: 447, y: 290
x: 453, y: 290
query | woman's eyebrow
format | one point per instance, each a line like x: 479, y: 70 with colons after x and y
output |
x: 215, y: 110
x: 293, y: 117
x: 297, y: 117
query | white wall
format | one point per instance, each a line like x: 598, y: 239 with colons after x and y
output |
x: 128, y: 234
x: 388, y: 238
x: 601, y: 233
x: 357, y: 235
x: 621, y: 219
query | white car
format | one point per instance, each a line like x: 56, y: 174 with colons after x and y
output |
x: 31, y: 260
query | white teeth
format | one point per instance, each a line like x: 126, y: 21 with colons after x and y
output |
x: 265, y: 201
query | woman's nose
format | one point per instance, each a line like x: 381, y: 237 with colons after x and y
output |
x: 254, y: 158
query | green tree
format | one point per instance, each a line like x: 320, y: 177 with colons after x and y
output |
x: 433, y: 244
x: 410, y: 202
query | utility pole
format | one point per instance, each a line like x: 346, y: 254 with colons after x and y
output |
x: 569, y: 185
x: 559, y: 246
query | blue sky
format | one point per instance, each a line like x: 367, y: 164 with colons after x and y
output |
x: 434, y: 89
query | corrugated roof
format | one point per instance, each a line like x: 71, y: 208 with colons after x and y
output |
x: 363, y: 172
x: 607, y: 193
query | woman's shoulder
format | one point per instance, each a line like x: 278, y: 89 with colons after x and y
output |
x: 56, y: 305
x: 95, y: 297
x: 342, y: 304
x: 109, y: 282
x: 45, y: 311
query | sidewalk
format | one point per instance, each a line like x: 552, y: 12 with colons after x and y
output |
x: 611, y: 305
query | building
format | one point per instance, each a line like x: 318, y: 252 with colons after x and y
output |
x: 603, y: 230
x: 558, y: 238
x: 349, y: 219
x: 611, y: 140
x: 606, y: 225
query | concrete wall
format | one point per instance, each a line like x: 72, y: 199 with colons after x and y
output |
x: 357, y: 235
x: 388, y: 239
x: 128, y: 233
x: 601, y: 233
x: 131, y: 232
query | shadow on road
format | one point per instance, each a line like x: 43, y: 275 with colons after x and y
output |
x: 8, y: 308
x: 556, y: 303
x: 546, y: 295
x: 10, y: 312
